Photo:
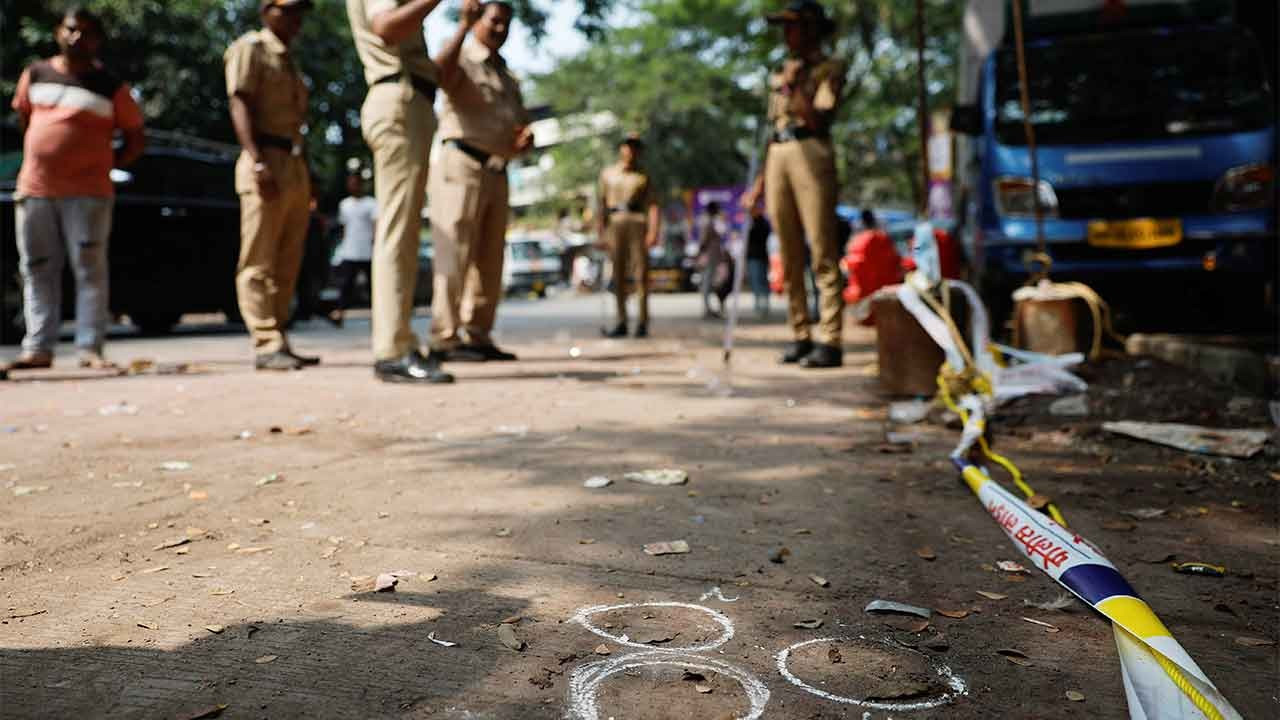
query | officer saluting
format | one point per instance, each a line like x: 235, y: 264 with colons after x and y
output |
x: 268, y: 107
x: 799, y: 178
x: 484, y: 124
x: 628, y: 223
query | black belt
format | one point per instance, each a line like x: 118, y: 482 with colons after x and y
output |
x: 629, y: 207
x: 278, y: 142
x: 790, y: 133
x: 422, y: 85
x: 487, y: 159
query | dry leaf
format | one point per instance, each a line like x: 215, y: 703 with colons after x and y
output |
x: 266, y: 659
x: 675, y: 547
x: 222, y: 591
x: 802, y: 531
x: 162, y: 568
x: 1047, y: 627
x: 1011, y: 566
x: 1254, y: 642
x: 252, y: 550
x: 215, y: 629
x: 1075, y: 696
x: 1017, y: 657
x: 991, y: 595
x: 819, y: 581
x: 833, y: 655
x: 198, y: 495
x: 503, y: 532
x: 172, y: 543
x: 148, y: 626
x: 926, y: 553
x: 444, y: 643
x: 603, y: 649
x: 953, y: 614
x: 586, y: 541
x: 807, y: 624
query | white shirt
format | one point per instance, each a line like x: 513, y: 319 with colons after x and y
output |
x: 357, y: 216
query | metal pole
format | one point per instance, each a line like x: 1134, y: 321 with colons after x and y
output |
x: 1029, y: 130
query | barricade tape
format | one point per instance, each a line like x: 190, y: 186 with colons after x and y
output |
x: 1161, y: 681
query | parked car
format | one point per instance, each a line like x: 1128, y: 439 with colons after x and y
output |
x: 527, y: 267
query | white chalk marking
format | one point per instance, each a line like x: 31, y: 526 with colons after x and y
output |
x: 726, y: 633
x: 717, y: 594
x: 952, y: 680
x: 584, y: 683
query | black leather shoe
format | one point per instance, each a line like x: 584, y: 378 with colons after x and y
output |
x: 823, y: 356
x: 642, y: 331
x: 306, y: 360
x: 412, y: 368
x: 278, y: 360
x: 793, y: 351
x: 619, y: 331
x: 462, y: 353
x: 490, y: 352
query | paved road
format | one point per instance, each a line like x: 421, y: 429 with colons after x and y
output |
x: 477, y: 489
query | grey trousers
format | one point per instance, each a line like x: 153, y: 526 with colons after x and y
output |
x: 49, y: 231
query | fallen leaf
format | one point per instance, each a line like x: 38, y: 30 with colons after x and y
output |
x: 596, y: 482
x: 807, y: 624
x: 1075, y: 696
x: 148, y: 626
x: 443, y: 643
x: 1254, y: 642
x: 148, y: 571
x: 953, y: 614
x: 1011, y: 566
x: 918, y: 627
x: 889, y: 606
x: 1017, y: 657
x: 586, y: 541
x: 266, y: 659
x: 203, y: 713
x: 779, y: 555
x: 926, y: 553
x: 198, y: 495
x: 511, y: 620
x: 25, y: 614
x: 215, y: 629
x: 175, y: 465
x: 802, y: 531
x: 663, y: 477
x: 1047, y: 627
x: 1145, y: 513
x: 503, y: 532
x: 991, y: 595
x: 252, y: 550
x: 676, y: 547
x: 1061, y: 602
x: 507, y: 636
x: 222, y: 591
x: 819, y: 581
x: 603, y: 649
x: 172, y: 543
x: 704, y: 689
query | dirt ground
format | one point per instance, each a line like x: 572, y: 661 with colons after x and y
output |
x: 285, y: 490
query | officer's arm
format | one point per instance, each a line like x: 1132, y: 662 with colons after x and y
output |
x: 242, y: 121
x: 448, y: 59
x: 394, y: 26
x: 655, y: 223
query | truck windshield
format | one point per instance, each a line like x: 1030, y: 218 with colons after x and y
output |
x: 1133, y: 85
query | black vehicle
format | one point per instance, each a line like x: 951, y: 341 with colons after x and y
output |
x: 175, y: 237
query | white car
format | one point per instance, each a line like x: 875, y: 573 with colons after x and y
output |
x: 528, y: 267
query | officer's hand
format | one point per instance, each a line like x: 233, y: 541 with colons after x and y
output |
x: 651, y: 240
x: 524, y: 139
x: 471, y: 12
x: 267, y: 186
x: 791, y: 71
x: 749, y: 199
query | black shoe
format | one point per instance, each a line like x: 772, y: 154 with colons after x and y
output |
x: 642, y: 330
x: 823, y: 356
x: 462, y: 353
x: 619, y: 331
x: 796, y: 350
x: 278, y: 360
x: 490, y: 352
x: 306, y: 360
x: 412, y: 368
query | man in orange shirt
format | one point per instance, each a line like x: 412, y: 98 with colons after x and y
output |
x: 69, y: 106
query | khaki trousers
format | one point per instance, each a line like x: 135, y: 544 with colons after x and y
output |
x: 273, y: 237
x: 800, y: 197
x: 398, y: 124
x: 469, y: 210
x: 625, y: 235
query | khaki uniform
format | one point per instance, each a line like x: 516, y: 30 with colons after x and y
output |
x: 483, y: 109
x: 272, y: 232
x: 800, y: 197
x: 625, y: 197
x: 398, y: 121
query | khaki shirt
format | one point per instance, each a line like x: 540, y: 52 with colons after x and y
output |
x: 821, y: 80
x: 483, y: 105
x: 260, y: 69
x: 622, y: 188
x: 379, y: 59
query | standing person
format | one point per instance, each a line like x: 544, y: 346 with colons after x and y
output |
x: 398, y: 121
x: 758, y: 260
x: 69, y: 106
x: 711, y: 251
x: 268, y: 108
x: 799, y: 179
x: 484, y: 125
x: 628, y: 221
x: 358, y: 217
x: 315, y: 261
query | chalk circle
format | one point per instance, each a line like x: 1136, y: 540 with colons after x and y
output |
x: 726, y: 632
x: 944, y: 673
x: 584, y: 683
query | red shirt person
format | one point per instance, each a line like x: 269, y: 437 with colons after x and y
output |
x: 69, y: 107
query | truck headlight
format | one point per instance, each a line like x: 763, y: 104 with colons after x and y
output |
x: 1014, y: 198
x: 1248, y: 187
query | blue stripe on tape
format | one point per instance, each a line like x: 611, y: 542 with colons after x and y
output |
x: 1095, y: 583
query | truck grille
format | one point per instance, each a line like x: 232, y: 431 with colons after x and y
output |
x: 1129, y: 201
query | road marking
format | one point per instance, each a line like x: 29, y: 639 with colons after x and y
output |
x: 584, y: 683
x: 953, y: 681
x: 726, y: 634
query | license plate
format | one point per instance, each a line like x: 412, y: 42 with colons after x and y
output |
x: 1140, y: 234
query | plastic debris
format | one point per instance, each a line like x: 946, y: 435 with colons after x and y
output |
x: 215, y: 629
x: 385, y: 582
x: 1047, y: 626
x: 1015, y: 656
x: 443, y: 643
x: 991, y: 595
x: 1070, y: 406
x: 1254, y: 642
x: 120, y: 408
x: 1062, y: 602
x: 909, y: 411
x: 819, y: 581
x: 953, y: 614
x: 675, y: 547
x: 21, y: 490
x: 889, y: 606
x: 1241, y: 444
x: 1010, y: 566
x: 1200, y: 568
x: 602, y: 649
x: 596, y: 482
x: 663, y: 477
x: 175, y: 465
x: 267, y: 659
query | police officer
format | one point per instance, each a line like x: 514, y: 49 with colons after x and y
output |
x: 484, y: 124
x: 799, y: 178
x: 628, y: 222
x: 398, y: 121
x: 268, y: 107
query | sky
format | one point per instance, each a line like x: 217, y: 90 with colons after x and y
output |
x: 561, y: 39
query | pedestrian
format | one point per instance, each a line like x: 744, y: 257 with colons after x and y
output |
x: 711, y: 256
x: 628, y: 223
x: 799, y: 179
x: 69, y: 106
x: 398, y: 121
x: 358, y: 218
x: 268, y: 109
x: 484, y: 125
x: 758, y: 260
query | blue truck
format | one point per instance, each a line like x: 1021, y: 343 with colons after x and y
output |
x: 1156, y: 132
